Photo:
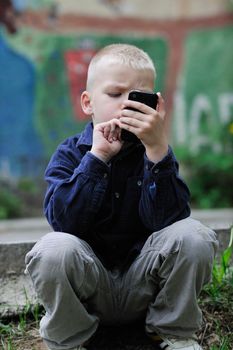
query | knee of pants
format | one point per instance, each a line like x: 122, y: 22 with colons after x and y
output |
x: 197, y: 242
x: 56, y: 255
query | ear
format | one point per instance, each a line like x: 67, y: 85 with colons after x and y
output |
x: 86, y: 103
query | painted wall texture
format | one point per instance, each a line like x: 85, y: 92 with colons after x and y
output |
x: 43, y: 71
x: 40, y: 88
x: 159, y: 9
x: 203, y: 108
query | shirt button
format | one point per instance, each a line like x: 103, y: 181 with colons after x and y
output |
x: 105, y: 175
x: 156, y: 171
x: 139, y: 183
x: 117, y: 195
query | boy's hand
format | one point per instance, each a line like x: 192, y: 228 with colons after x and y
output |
x: 148, y: 125
x: 106, y: 140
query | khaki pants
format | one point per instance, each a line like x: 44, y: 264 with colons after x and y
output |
x: 161, y: 286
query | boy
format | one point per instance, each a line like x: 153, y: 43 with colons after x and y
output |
x: 124, y: 248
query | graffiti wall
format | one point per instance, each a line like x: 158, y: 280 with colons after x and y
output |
x: 40, y: 87
x: 43, y: 72
x: 203, y: 108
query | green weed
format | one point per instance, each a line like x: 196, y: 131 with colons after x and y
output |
x: 224, y: 345
x: 13, y: 331
x: 222, y: 275
x: 217, y: 303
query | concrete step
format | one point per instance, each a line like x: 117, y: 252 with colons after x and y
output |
x: 18, y: 236
x: 31, y: 229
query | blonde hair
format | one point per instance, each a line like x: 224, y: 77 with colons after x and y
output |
x: 128, y: 55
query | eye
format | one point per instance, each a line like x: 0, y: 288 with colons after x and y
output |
x: 114, y: 94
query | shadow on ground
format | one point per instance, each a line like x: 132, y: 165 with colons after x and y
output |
x: 127, y: 337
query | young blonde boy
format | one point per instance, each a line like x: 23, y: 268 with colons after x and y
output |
x: 124, y: 247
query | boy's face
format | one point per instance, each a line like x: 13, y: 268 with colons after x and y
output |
x: 112, y: 83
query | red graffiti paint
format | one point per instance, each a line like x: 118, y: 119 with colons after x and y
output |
x: 77, y: 63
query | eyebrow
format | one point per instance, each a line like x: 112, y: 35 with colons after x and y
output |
x: 116, y: 85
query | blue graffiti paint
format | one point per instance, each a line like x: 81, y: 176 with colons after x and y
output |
x: 20, y: 146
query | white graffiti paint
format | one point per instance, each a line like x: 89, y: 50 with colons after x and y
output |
x: 187, y: 121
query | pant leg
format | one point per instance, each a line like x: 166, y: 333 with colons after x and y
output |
x: 165, y: 280
x: 73, y: 286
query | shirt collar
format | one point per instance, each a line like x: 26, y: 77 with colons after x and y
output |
x: 85, y: 138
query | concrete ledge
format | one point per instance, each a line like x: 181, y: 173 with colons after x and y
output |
x: 217, y: 219
x: 18, y: 236
x: 12, y: 255
x: 16, y: 292
x: 30, y: 230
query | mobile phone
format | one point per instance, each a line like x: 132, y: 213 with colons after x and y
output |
x: 148, y: 98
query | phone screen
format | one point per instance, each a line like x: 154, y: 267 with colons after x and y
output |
x: 148, y: 98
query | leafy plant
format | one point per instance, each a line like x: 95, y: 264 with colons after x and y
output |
x: 222, y: 274
x: 208, y: 172
x: 9, y: 204
x: 223, y: 346
x: 220, y: 270
x: 27, y: 185
x: 16, y: 330
x: 21, y: 198
x: 217, y: 303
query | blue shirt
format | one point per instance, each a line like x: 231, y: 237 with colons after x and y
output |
x: 115, y: 206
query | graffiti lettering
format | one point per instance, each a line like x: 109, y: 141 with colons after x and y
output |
x: 188, y: 124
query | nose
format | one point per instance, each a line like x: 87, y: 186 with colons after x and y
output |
x: 124, y: 96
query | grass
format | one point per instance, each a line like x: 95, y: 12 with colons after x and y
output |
x: 21, y: 332
x: 216, y: 302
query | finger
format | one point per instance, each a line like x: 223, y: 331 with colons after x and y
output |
x: 138, y: 107
x: 132, y: 122
x: 116, y: 134
x: 132, y: 114
x: 112, y: 132
x: 161, y: 105
x: 139, y: 120
x: 107, y: 130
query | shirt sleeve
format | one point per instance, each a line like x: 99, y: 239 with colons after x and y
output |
x: 165, y: 196
x: 76, y: 188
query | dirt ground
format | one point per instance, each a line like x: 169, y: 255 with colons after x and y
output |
x: 217, y: 326
x: 123, y: 338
